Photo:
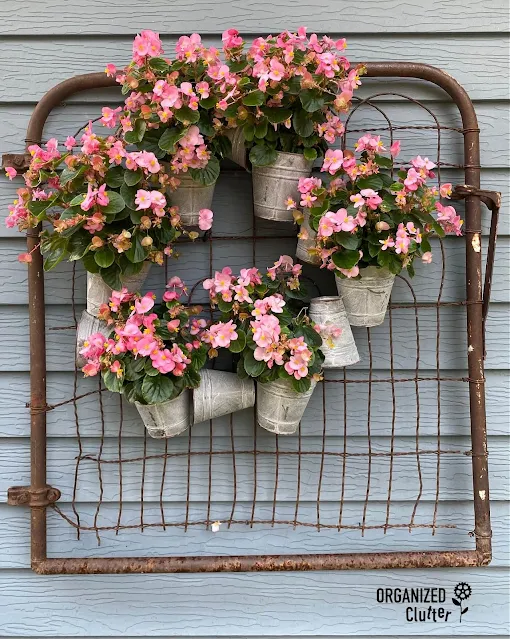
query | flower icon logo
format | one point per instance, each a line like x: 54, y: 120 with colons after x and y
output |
x: 462, y: 591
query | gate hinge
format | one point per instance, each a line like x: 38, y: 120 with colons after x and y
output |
x: 18, y: 161
x: 28, y: 496
x: 491, y: 199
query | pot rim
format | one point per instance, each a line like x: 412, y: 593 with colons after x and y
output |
x: 326, y: 298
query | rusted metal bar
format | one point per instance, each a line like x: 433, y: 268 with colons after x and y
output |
x: 28, y: 496
x: 480, y: 556
x: 260, y: 563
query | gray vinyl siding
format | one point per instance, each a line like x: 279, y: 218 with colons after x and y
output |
x: 44, y: 42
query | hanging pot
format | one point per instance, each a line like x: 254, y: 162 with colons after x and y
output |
x: 366, y: 299
x: 279, y: 407
x: 98, y: 293
x: 167, y: 419
x: 190, y: 197
x: 340, y: 351
x: 274, y: 184
x: 239, y: 153
x: 221, y: 393
x: 303, y: 246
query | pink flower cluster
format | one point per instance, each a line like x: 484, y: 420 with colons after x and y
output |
x: 146, y: 44
x: 448, y: 218
x: 191, y: 152
x: 221, y: 334
x: 223, y: 285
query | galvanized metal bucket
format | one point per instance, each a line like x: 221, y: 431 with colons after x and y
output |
x: 87, y: 326
x: 279, y: 407
x: 274, y: 184
x: 239, y: 153
x: 329, y: 312
x: 366, y: 299
x: 221, y: 393
x: 167, y: 419
x: 98, y: 292
x: 190, y: 197
x: 303, y: 246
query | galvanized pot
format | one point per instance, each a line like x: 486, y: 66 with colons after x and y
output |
x: 279, y: 407
x: 239, y: 153
x: 303, y: 246
x: 167, y: 419
x: 190, y: 197
x: 366, y: 299
x: 274, y: 184
x: 221, y: 393
x: 98, y: 293
x: 330, y: 312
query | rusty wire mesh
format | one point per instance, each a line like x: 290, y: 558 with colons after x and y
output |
x: 315, y: 470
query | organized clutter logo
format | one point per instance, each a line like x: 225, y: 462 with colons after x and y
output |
x: 428, y: 604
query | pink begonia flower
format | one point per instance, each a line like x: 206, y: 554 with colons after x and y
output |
x: 387, y: 243
x: 25, y: 257
x: 277, y: 70
x: 223, y: 333
x: 445, y: 190
x: 91, y: 368
x: 205, y: 219
x: 173, y: 325
x: 350, y: 272
x: 382, y: 226
x: 290, y: 204
x: 372, y: 198
x: 110, y: 70
x: 332, y: 161
x: 448, y: 219
x: 109, y: 118
x: 275, y: 303
x: 187, y: 48
x: 93, y: 197
x: 422, y: 163
x: 426, y: 258
x: 145, y: 304
x: 117, y: 298
x: 202, y: 88
x: 143, y: 199
x: 70, y: 142
x: 305, y: 185
x: 93, y: 346
x: 11, y: 172
x: 395, y: 149
x: 231, y: 39
x: 116, y: 368
x: 357, y: 200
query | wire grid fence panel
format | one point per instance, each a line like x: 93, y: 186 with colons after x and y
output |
x: 371, y: 458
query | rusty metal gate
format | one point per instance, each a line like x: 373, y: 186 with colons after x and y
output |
x: 40, y: 496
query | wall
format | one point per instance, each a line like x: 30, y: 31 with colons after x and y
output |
x: 44, y: 42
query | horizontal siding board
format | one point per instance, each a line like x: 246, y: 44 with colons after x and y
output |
x: 455, y: 469
x: 262, y: 604
x: 466, y: 57
x: 49, y: 18
x: 493, y: 120
x: 60, y: 343
x: 242, y: 540
x: 15, y: 392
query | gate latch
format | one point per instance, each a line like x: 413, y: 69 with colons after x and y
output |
x: 28, y: 496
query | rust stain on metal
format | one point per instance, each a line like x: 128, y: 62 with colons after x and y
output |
x: 33, y: 497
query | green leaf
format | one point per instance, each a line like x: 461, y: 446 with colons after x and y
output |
x: 111, y: 276
x: 159, y: 64
x: 54, y: 257
x: 253, y: 367
x: 262, y: 155
x: 312, y: 100
x: 128, y: 194
x: 89, y: 263
x: 348, y: 240
x: 236, y: 66
x: 345, y: 259
x: 261, y: 129
x: 68, y: 175
x: 78, y: 245
x: 371, y: 182
x: 115, y: 205
x: 208, y: 103
x: 301, y: 385
x: 254, y: 98
x: 293, y: 84
x: 312, y: 338
x: 209, y: 174
x: 303, y: 123
x: 136, y: 135
x: 386, y: 163
x: 249, y: 132
x: 104, y: 257
x: 187, y: 115
x: 396, y: 186
x: 276, y: 115
x: 149, y: 369
x: 136, y: 252
x: 112, y: 382
x: 150, y: 143
x: 438, y: 229
x: 134, y: 368
x: 133, y: 177
x: 39, y: 207
x: 170, y: 138
x: 225, y: 307
x: 240, y: 343
x: 310, y: 154
x: 115, y: 177
x: 158, y: 389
